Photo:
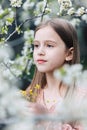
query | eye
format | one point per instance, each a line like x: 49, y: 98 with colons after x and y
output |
x: 49, y: 45
x: 36, y: 45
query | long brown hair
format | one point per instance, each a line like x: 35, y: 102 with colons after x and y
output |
x: 69, y: 35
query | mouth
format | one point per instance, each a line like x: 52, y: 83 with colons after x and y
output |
x: 40, y: 61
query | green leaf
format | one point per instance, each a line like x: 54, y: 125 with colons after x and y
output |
x: 6, y: 12
x: 10, y: 20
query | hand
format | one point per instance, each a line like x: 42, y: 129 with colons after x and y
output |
x: 67, y: 127
x: 36, y: 108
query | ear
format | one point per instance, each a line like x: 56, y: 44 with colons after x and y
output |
x: 69, y: 55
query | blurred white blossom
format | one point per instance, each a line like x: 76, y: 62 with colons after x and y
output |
x: 69, y: 74
x: 38, y: 20
x: 42, y: 7
x: 77, y: 100
x: 75, y: 22
x: 10, y: 17
x: 5, y: 52
x: 84, y: 17
x: 28, y: 34
x: 28, y: 5
x: 14, y: 109
x: 1, y: 10
x: 82, y: 79
x: 23, y: 125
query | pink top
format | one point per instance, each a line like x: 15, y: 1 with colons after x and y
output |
x: 52, y: 109
x: 79, y: 95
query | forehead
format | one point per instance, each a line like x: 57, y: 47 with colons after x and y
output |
x: 48, y: 34
x: 45, y: 33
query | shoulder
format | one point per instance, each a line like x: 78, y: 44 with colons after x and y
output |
x: 81, y: 91
x: 81, y: 95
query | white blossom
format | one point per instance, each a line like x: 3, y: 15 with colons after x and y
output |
x: 28, y: 34
x: 48, y: 10
x: 71, y: 11
x: 64, y: 5
x: 80, y: 11
x: 16, y: 3
x: 42, y: 7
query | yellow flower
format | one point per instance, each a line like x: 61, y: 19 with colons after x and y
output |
x: 31, y: 96
x: 37, y: 86
x: 23, y: 92
x: 30, y: 92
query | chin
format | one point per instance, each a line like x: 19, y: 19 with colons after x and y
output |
x: 42, y: 70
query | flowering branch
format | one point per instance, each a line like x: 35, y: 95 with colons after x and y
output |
x: 19, y: 27
x: 44, y: 11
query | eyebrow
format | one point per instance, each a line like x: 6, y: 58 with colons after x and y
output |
x: 35, y: 41
x: 52, y: 41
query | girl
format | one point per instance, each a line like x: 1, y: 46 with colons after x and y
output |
x: 55, y: 44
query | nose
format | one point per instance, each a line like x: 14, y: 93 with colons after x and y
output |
x: 41, y: 50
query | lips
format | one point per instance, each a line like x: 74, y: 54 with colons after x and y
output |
x: 41, y: 61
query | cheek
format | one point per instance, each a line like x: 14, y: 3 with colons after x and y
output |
x: 57, y: 58
x: 58, y: 54
x: 34, y: 56
x: 56, y: 63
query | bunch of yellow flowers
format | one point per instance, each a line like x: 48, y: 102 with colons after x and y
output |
x: 31, y: 95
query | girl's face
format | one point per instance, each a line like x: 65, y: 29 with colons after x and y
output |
x: 50, y: 51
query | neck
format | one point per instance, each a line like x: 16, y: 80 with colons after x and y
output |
x: 53, y: 86
x: 52, y: 83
